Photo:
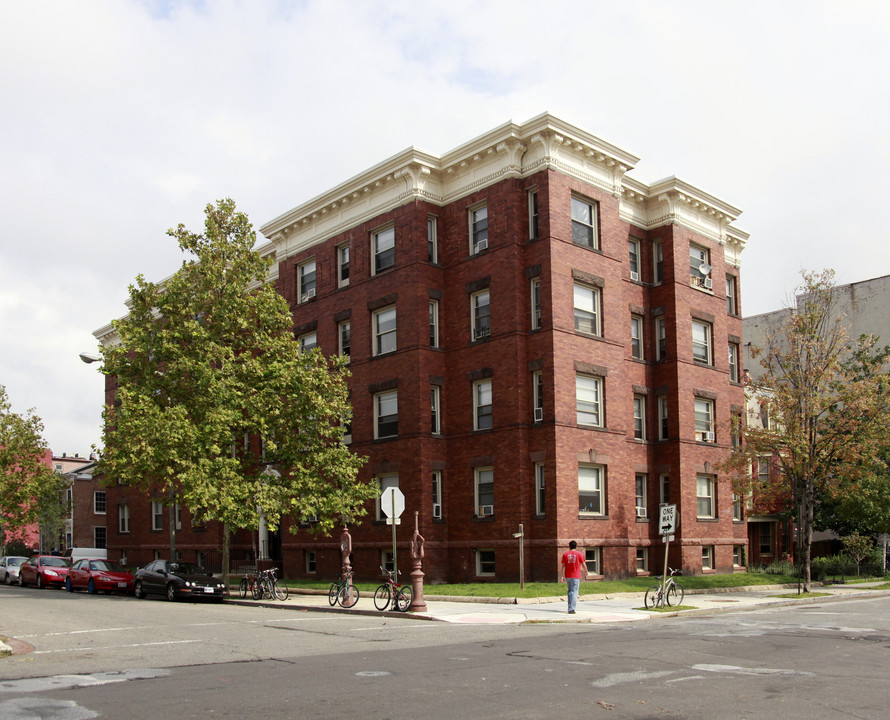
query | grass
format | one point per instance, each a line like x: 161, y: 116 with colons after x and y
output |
x: 802, y: 595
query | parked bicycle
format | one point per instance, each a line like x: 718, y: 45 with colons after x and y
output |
x: 263, y: 584
x: 343, y: 591
x: 668, y: 593
x: 392, y: 594
x: 250, y: 583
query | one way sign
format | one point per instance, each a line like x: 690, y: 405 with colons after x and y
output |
x: 667, y: 524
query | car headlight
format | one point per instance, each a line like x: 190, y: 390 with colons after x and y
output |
x: 51, y: 572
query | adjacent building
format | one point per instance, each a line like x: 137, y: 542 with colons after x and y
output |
x: 536, y: 339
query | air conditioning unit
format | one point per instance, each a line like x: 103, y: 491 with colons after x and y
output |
x: 641, y: 512
x: 308, y: 295
x: 708, y: 282
x: 437, y: 510
x: 486, y: 510
x: 539, y: 414
x: 708, y: 436
x: 482, y: 245
x: 634, y: 275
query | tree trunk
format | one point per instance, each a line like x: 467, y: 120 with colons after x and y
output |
x: 806, y: 530
x: 225, y: 555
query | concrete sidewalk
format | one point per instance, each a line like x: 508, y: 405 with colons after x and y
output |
x: 619, y: 607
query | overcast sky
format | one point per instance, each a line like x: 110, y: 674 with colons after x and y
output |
x: 122, y: 118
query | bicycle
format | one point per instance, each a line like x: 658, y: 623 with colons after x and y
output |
x: 271, y: 586
x: 343, y: 591
x: 670, y: 593
x: 392, y: 594
x: 250, y: 583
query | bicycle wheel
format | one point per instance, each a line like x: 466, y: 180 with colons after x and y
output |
x: 332, y: 594
x: 243, y: 588
x: 674, y: 595
x: 404, y: 598
x: 255, y: 589
x: 348, y: 596
x: 653, y: 597
x: 382, y: 597
x: 280, y: 590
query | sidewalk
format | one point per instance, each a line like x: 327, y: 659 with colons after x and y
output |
x: 619, y: 607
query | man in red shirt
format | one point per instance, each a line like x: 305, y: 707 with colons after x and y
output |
x: 572, y: 568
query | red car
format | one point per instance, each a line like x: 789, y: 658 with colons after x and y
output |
x: 96, y: 575
x: 43, y: 570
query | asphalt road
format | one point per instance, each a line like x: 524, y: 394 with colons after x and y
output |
x: 114, y: 657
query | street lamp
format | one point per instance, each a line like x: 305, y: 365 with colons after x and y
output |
x: 89, y: 357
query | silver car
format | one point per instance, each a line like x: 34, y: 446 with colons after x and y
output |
x: 9, y: 568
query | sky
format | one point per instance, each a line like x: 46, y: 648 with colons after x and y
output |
x: 120, y: 119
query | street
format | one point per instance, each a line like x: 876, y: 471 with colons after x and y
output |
x: 116, y: 657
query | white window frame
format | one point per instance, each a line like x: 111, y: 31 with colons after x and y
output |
x: 704, y: 420
x: 736, y: 507
x: 385, y: 482
x: 732, y: 299
x: 485, y: 562
x: 699, y: 255
x: 587, y: 303
x: 434, y: 323
x: 663, y: 418
x: 480, y: 315
x: 483, y: 477
x: 157, y: 515
x: 478, y: 219
x: 307, y: 287
x: 483, y: 390
x: 593, y: 559
x: 344, y: 337
x: 383, y: 336
x: 738, y: 554
x: 432, y: 239
x: 540, y: 489
x: 435, y: 410
x: 384, y: 404
x: 705, y: 497
x: 707, y: 557
x: 383, y: 247
x: 734, y: 362
x: 310, y: 562
x: 589, y: 400
x: 123, y: 519
x: 641, y: 493
x: 636, y: 337
x: 658, y: 262
x: 642, y: 559
x: 702, y: 345
x: 535, y: 297
x: 639, y: 403
x: 533, y: 228
x: 660, y: 338
x: 633, y: 251
x: 100, y: 502
x: 664, y: 488
x: 538, y: 395
x: 592, y: 482
x: 343, y: 265
x: 308, y: 341
x: 436, y: 478
x: 585, y: 222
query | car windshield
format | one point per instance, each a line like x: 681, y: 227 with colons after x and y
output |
x: 55, y: 562
x: 14, y: 562
x: 106, y: 565
x: 181, y: 568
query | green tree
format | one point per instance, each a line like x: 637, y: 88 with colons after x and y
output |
x: 861, y: 504
x: 29, y: 489
x: 207, y: 359
x: 858, y: 547
x: 827, y: 399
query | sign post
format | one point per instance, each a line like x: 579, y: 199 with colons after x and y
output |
x: 392, y: 503
x: 521, y: 536
x: 667, y: 526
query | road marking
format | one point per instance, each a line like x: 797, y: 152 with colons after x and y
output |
x: 114, y: 647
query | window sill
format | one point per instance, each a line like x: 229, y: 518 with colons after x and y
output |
x: 707, y: 519
x: 597, y: 428
x: 592, y: 516
x: 644, y: 519
x: 483, y: 518
x: 597, y: 250
x: 592, y: 336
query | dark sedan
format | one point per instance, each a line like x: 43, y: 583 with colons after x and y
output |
x: 44, y: 570
x: 96, y: 575
x: 175, y: 580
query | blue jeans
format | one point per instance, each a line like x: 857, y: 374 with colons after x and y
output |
x: 573, y: 585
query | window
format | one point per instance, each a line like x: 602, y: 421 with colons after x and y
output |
x: 538, y: 395
x: 664, y: 489
x: 123, y: 519
x: 766, y: 538
x: 660, y: 338
x: 587, y: 305
x: 732, y: 305
x: 437, y: 494
x: 701, y: 342
x: 536, y: 303
x: 639, y: 417
x: 633, y: 247
x: 733, y: 362
x: 435, y: 412
x: 387, y: 560
x: 704, y: 420
x: 485, y: 563
x: 763, y: 471
x: 700, y: 267
x: 588, y: 400
x: 705, y: 496
x: 383, y: 249
x: 344, y: 333
x: 482, y: 401
x: 308, y: 341
x: 540, y: 495
x: 663, y: 417
x: 658, y: 262
x: 99, y: 503
x: 157, y: 515
x: 584, y: 230
x: 481, y: 318
x: 386, y: 414
x: 707, y: 557
x: 177, y: 515
x: 533, y: 214
x: 434, y: 323
x: 484, y: 482
x: 593, y: 558
x: 636, y: 337
x: 642, y: 559
x: 310, y: 562
x: 736, y: 507
x: 385, y: 331
x: 735, y: 428
x: 343, y: 266
x: 432, y: 240
x: 100, y: 535
x: 306, y: 279
x: 478, y: 229
x: 738, y: 555
x: 385, y: 482
x: 640, y: 482
x: 591, y: 498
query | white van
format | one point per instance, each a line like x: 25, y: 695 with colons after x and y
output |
x: 77, y: 553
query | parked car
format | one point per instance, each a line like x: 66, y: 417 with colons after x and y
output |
x: 93, y: 575
x: 176, y: 580
x: 9, y: 568
x: 77, y: 553
x: 43, y: 570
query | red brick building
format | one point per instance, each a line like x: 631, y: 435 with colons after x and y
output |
x: 535, y: 338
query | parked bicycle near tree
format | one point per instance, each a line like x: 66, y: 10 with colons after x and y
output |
x: 343, y: 591
x: 392, y: 594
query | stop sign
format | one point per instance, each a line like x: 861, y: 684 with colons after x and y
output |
x: 392, y: 502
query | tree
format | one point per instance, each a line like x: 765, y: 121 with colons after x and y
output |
x: 827, y: 399
x: 208, y: 359
x: 29, y: 488
x: 858, y: 547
